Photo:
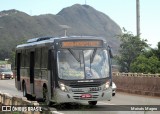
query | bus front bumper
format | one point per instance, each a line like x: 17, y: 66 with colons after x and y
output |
x: 63, y: 97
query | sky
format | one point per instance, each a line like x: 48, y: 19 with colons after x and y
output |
x: 123, y: 12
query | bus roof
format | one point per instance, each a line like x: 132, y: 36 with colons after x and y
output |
x: 42, y: 41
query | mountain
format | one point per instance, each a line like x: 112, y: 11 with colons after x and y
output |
x: 16, y: 26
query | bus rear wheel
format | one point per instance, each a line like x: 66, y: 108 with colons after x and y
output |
x: 92, y: 103
x: 46, y: 96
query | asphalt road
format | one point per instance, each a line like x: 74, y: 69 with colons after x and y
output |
x: 119, y: 102
x: 8, y: 86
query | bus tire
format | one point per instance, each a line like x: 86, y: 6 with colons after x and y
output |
x: 46, y: 96
x: 92, y: 103
x: 24, y: 90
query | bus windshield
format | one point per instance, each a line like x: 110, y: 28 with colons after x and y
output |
x: 75, y: 64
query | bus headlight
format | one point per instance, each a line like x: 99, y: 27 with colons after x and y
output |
x: 62, y: 86
x: 2, y: 76
x: 107, y: 84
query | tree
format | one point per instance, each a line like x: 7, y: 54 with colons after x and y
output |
x: 146, y: 65
x: 156, y: 51
x: 130, y: 48
x: 148, y: 61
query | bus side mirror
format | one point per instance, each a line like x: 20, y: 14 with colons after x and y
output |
x: 110, y: 52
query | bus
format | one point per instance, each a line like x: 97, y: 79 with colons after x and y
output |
x: 65, y: 69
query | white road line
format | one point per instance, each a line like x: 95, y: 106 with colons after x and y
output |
x: 104, y: 103
x: 11, y: 84
x: 56, y: 112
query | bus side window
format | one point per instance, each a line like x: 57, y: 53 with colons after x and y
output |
x: 23, y: 58
x: 44, y: 57
x: 27, y: 56
x: 50, y: 59
x: 38, y: 58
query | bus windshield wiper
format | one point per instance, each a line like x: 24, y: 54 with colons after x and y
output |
x: 74, y: 55
x: 93, y: 55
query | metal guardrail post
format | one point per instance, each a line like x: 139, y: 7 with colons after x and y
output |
x: 16, y: 100
x: 3, y: 99
x: 8, y: 99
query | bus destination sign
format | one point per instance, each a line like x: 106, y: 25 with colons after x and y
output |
x: 71, y: 44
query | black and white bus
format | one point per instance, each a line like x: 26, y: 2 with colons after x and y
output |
x: 65, y: 69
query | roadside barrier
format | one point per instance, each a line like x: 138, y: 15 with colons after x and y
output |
x: 17, y: 105
x: 138, y: 83
x: 135, y: 74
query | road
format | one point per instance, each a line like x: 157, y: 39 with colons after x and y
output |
x: 8, y: 86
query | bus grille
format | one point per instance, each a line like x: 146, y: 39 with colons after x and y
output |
x: 85, y: 84
x: 84, y: 89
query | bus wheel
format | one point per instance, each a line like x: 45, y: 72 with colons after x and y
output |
x: 92, y: 103
x: 24, y: 90
x: 46, y: 96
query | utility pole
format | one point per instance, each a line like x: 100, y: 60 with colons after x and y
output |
x: 138, y: 17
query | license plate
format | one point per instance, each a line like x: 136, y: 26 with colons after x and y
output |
x: 86, y: 96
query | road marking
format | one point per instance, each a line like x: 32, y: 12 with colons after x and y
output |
x: 104, y: 103
x: 11, y: 84
x: 56, y: 112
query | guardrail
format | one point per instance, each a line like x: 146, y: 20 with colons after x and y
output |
x: 138, y: 83
x: 135, y: 74
x: 18, y: 105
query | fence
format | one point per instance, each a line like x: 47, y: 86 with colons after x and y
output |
x: 135, y: 74
x: 17, y: 105
x: 138, y: 83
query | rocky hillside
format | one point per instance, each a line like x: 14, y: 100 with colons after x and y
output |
x: 16, y: 26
